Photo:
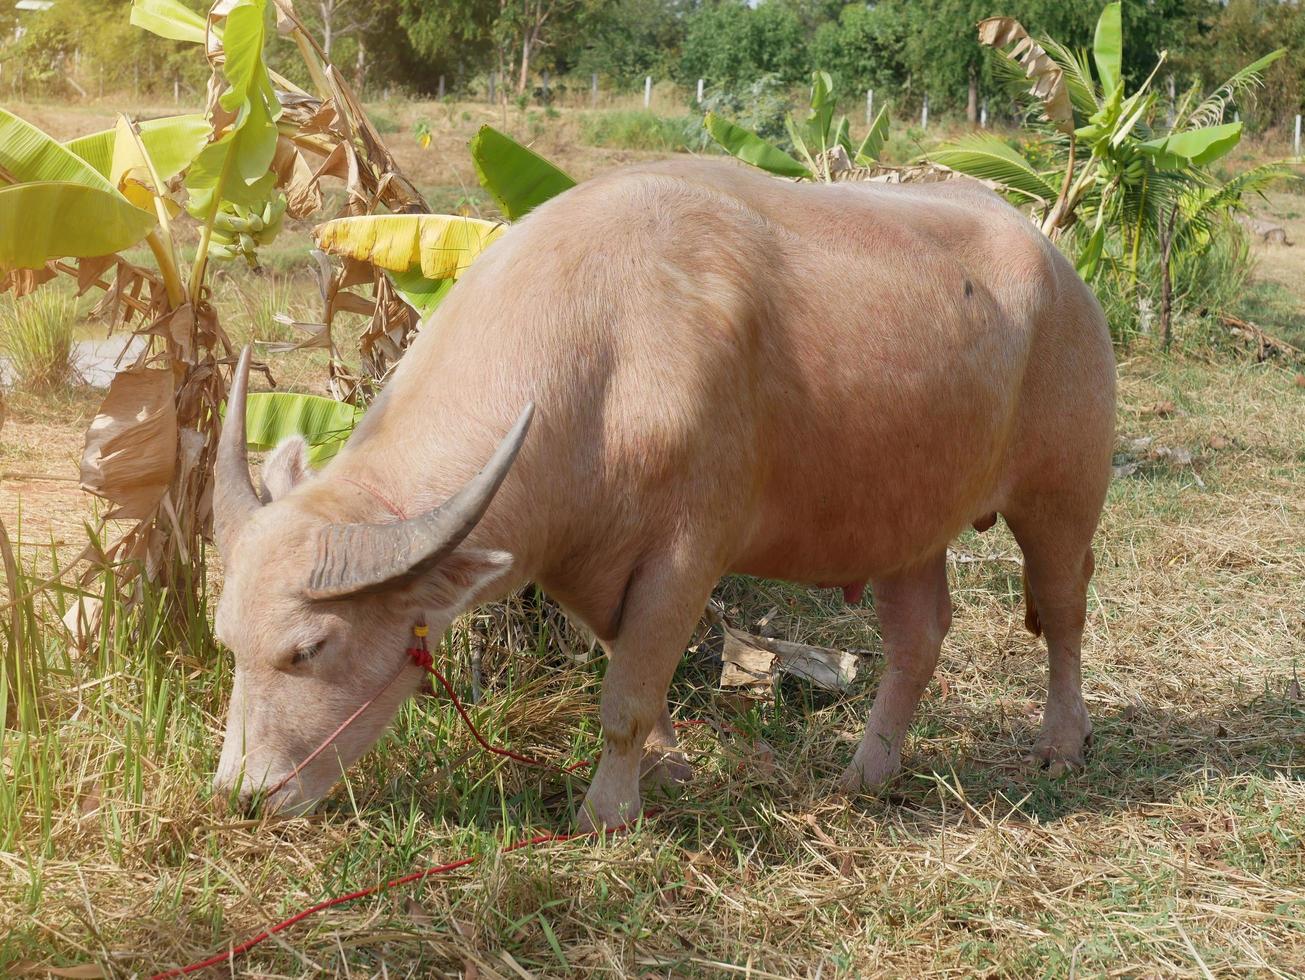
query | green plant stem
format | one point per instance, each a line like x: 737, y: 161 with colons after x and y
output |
x: 165, y: 255
x: 206, y: 232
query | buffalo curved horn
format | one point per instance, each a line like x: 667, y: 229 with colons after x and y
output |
x: 234, y: 497
x: 353, y: 559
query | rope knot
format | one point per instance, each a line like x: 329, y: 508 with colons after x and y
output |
x: 421, y: 657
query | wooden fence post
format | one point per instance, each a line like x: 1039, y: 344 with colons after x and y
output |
x: 647, y: 92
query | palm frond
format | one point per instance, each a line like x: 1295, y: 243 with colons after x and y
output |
x: 1210, y: 111
x: 987, y: 157
x: 1231, y: 195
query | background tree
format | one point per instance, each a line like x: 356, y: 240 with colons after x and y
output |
x: 729, y: 43
x: 627, y: 40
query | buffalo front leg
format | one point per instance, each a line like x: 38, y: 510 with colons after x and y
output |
x: 914, y: 610
x: 662, y: 607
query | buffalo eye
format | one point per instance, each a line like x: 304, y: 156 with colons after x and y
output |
x: 307, y: 652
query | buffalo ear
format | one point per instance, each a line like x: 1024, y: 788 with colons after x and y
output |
x: 285, y: 469
x: 459, y: 580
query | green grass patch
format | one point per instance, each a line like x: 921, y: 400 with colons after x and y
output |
x: 630, y: 129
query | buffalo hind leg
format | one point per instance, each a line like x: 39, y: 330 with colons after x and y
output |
x: 662, y: 609
x: 914, y: 610
x: 1058, y: 566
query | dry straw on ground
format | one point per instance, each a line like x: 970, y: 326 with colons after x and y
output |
x: 1178, y: 852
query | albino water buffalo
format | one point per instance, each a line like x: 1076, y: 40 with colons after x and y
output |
x: 729, y: 373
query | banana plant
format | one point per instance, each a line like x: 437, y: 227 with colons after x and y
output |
x: 1113, y: 162
x: 324, y: 423
x: 422, y: 256
x: 232, y: 172
x: 824, y: 146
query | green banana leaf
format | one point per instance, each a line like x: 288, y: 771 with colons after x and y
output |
x: 59, y: 219
x: 868, y: 152
x: 28, y: 154
x: 168, y: 18
x: 1108, y: 47
x: 818, y: 129
x: 843, y: 135
x: 235, y: 168
x: 172, y: 142
x: 518, y: 178
x: 1198, y: 147
x: 751, y: 148
x: 326, y: 424
x: 1089, y: 259
x: 422, y: 294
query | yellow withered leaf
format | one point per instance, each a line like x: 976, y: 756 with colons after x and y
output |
x: 442, y: 245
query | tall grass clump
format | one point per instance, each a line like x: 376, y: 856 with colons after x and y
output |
x: 37, y: 339
x: 269, y: 296
x: 111, y: 705
x: 1207, y: 281
x: 632, y: 129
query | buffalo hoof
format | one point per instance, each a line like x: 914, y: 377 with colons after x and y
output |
x: 869, y: 775
x: 596, y: 816
x: 1064, y: 738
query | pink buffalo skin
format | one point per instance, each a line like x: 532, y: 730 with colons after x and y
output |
x: 731, y: 373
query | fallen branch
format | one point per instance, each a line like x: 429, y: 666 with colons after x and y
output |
x: 1266, y: 344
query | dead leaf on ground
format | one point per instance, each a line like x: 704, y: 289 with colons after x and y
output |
x: 1137, y: 453
x: 416, y: 913
x: 754, y: 661
x: 1165, y: 409
x: 757, y: 757
x: 90, y: 801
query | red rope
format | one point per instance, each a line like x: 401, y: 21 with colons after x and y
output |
x: 421, y: 657
x: 284, y: 924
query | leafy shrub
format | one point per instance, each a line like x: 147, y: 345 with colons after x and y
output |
x: 639, y: 130
x: 1206, y: 282
x: 760, y: 107
x: 36, y: 336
